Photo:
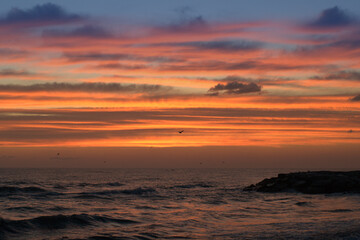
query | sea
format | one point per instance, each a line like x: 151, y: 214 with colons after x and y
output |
x: 98, y: 204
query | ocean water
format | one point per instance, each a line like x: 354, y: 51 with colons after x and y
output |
x: 166, y: 204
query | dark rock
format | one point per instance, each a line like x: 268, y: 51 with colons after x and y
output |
x: 313, y: 182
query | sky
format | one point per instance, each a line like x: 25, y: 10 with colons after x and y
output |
x: 111, y: 83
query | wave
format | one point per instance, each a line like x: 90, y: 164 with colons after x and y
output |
x: 197, y: 185
x: 91, y: 196
x: 136, y: 191
x: 23, y: 209
x: 6, y: 190
x: 58, y: 209
x: 15, y: 182
x: 142, y: 236
x: 58, y: 186
x: 112, y: 237
x: 340, y: 210
x: 108, y: 184
x: 56, y: 222
x: 139, y: 191
x: 304, y: 204
x: 101, y: 237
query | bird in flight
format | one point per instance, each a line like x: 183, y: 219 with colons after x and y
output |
x: 181, y: 131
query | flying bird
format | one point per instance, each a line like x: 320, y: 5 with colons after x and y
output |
x: 181, y: 131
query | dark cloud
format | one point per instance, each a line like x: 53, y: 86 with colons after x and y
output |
x: 41, y: 13
x: 235, y: 88
x: 217, y: 45
x: 84, y: 87
x: 80, y: 57
x: 88, y: 31
x: 356, y: 98
x: 268, y: 80
x: 227, y: 45
x: 347, y: 45
x: 121, y: 66
x: 332, y: 17
x: 342, y: 75
x: 8, y: 72
x: 157, y: 59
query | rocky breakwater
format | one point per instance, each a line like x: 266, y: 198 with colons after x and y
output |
x: 313, y: 182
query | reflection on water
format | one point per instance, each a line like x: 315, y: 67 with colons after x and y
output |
x: 165, y: 203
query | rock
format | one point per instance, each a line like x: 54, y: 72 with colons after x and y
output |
x: 312, y: 182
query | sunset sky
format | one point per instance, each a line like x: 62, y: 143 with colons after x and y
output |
x: 110, y: 83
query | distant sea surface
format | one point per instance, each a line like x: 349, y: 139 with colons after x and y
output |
x: 166, y: 204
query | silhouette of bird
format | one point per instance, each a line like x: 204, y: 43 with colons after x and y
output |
x: 350, y: 131
x: 58, y: 154
x: 181, y: 131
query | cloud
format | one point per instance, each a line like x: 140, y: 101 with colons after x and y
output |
x: 273, y: 80
x: 212, y: 94
x: 244, y: 65
x: 332, y: 17
x: 84, y: 87
x: 121, y: 66
x: 351, y: 43
x: 97, y: 56
x: 12, y: 53
x: 8, y: 72
x: 218, y: 45
x: 341, y: 75
x: 191, y: 24
x: 79, y: 57
x: 356, y: 98
x: 187, y: 22
x: 342, y: 47
x: 103, y: 116
x: 234, y: 78
x: 88, y: 31
x: 235, y: 88
x: 41, y: 13
x: 228, y: 45
x: 58, y: 126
